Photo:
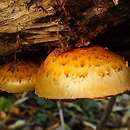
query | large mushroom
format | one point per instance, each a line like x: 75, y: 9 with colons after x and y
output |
x: 90, y: 72
x: 18, y: 77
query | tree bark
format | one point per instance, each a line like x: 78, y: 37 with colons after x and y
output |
x: 37, y: 22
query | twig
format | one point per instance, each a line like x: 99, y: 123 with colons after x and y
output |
x: 106, y: 114
x: 86, y: 123
x: 22, y: 99
x: 61, y: 115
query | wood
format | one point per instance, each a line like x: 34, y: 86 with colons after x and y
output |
x: 18, y: 15
x: 101, y: 17
x: 32, y: 20
x: 39, y: 21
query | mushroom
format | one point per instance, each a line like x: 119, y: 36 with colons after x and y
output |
x: 89, y: 72
x: 18, y: 77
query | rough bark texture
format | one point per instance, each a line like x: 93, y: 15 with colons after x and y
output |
x: 27, y: 22
x: 49, y: 23
x: 18, y: 15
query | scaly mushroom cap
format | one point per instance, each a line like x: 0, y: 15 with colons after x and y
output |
x: 18, y: 77
x: 90, y: 72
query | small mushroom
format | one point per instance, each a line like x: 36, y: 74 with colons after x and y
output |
x: 90, y: 72
x: 18, y: 77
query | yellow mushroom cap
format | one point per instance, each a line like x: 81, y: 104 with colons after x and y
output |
x: 18, y: 77
x: 90, y: 72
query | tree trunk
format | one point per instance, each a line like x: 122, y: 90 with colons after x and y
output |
x: 45, y: 22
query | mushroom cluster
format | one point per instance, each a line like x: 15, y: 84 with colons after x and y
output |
x: 88, y: 72
x: 81, y: 73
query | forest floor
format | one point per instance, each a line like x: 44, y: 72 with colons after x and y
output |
x: 29, y: 112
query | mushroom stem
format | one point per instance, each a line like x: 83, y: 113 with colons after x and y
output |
x: 106, y: 113
x: 61, y: 115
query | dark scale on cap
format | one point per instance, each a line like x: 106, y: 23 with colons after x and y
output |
x: 82, y: 65
x: 65, y: 55
x: 57, y: 52
x: 64, y: 63
x: 66, y: 74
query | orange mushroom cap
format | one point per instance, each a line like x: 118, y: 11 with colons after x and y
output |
x: 18, y: 77
x: 90, y: 72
